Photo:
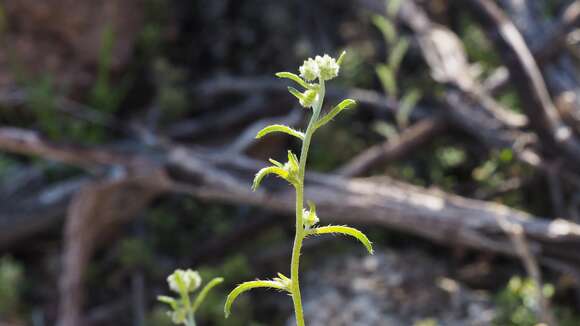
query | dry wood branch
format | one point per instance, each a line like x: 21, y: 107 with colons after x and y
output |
x: 413, y: 137
x: 449, y: 218
x: 441, y: 217
x: 28, y: 142
x: 552, y: 42
x: 96, y: 211
x: 526, y: 75
x: 36, y: 211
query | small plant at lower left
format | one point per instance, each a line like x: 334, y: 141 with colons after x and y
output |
x: 185, y: 283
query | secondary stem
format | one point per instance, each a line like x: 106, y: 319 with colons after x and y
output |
x: 300, y: 234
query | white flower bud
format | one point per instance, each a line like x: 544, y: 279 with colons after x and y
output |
x: 310, y: 218
x: 327, y: 66
x: 189, y: 279
x: 309, y: 70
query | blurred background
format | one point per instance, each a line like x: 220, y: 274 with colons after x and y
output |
x: 127, y: 150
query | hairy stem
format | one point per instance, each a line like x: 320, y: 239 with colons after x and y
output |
x: 300, y: 232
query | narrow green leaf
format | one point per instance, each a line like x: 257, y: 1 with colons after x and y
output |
x: 386, y: 129
x: 341, y: 58
x: 387, y: 78
x: 293, y: 160
x: 296, y: 93
x: 276, y: 163
x: 293, y: 77
x: 168, y: 300
x: 246, y: 286
x: 268, y: 170
x: 203, y: 293
x: 398, y: 53
x: 345, y: 230
x: 345, y: 104
x: 406, y: 105
x: 386, y: 27
x: 280, y: 128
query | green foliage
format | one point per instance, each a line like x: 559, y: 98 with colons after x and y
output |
x: 450, y: 156
x: 105, y: 95
x: 321, y: 68
x: 43, y: 99
x: 397, y: 47
x: 11, y: 281
x: 516, y: 305
x: 171, y: 94
x: 134, y: 253
x: 477, y: 45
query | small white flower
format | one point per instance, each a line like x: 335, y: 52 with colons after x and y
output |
x: 310, y: 97
x: 327, y: 66
x: 310, y: 218
x: 191, y: 280
x: 309, y: 70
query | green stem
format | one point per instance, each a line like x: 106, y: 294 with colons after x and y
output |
x: 300, y: 232
x: 190, y: 319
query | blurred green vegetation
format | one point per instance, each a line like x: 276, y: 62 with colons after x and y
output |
x: 11, y: 286
x: 517, y: 305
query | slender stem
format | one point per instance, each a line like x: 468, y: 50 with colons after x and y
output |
x: 300, y: 232
x: 190, y: 319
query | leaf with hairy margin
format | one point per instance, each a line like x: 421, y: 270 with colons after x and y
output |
x: 344, y: 230
x: 294, y: 78
x: 281, y: 172
x: 345, y: 104
x: 280, y: 128
x: 246, y: 286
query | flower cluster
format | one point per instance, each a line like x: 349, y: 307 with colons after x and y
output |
x: 184, y: 281
x: 184, y: 307
x: 323, y: 68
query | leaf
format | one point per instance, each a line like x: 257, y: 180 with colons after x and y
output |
x: 203, y: 293
x: 276, y: 163
x: 398, y: 53
x: 341, y: 58
x: 293, y: 77
x: 246, y: 286
x: 386, y: 129
x: 296, y: 93
x: 168, y: 300
x: 345, y: 104
x: 386, y: 27
x: 293, y: 160
x: 406, y: 105
x: 279, y: 128
x: 387, y: 78
x: 345, y: 230
x: 268, y: 170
